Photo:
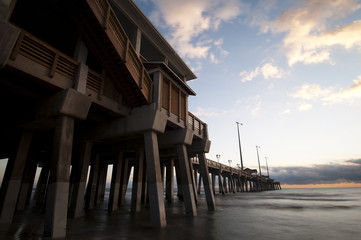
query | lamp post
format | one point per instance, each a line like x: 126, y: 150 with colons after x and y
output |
x: 267, y: 166
x: 239, y: 143
x: 218, y: 156
x: 230, y: 162
x: 259, y: 165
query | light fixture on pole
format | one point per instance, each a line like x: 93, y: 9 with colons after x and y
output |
x: 239, y: 143
x: 267, y: 166
x: 259, y: 164
x: 218, y: 156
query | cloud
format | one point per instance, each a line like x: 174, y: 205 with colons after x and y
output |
x: 189, y: 19
x: 308, y: 39
x: 310, y: 92
x: 286, y: 111
x: 268, y: 71
x: 329, y: 95
x: 256, y: 109
x: 350, y: 94
x: 304, y: 107
x: 349, y: 171
x: 210, y: 112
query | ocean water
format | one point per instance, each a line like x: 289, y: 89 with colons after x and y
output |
x: 291, y: 214
x: 320, y: 214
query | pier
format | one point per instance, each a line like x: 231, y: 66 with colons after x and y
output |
x: 91, y: 83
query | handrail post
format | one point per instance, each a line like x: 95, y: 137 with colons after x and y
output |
x: 107, y: 15
x: 18, y: 45
x: 54, y: 65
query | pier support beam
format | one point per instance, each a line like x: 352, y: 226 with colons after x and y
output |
x: 220, y: 182
x: 40, y: 190
x: 137, y: 181
x: 170, y: 181
x: 156, y: 202
x: 92, y: 184
x: 186, y: 181
x: 211, y: 203
x: 58, y: 187
x: 80, y: 170
x: 101, y: 183
x: 12, y: 188
x: 124, y: 181
x: 114, y: 187
x: 27, y: 183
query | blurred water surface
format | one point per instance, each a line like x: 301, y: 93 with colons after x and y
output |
x: 285, y: 214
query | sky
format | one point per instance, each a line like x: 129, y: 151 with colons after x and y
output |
x: 288, y: 70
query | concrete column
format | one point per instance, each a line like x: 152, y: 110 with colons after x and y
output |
x: 27, y: 183
x: 40, y: 190
x: 231, y: 183
x: 101, y: 182
x: 225, y: 184
x: 211, y: 203
x: 8, y: 37
x: 213, y: 183
x: 138, y: 40
x: 199, y: 184
x: 179, y: 184
x: 58, y: 187
x: 157, y: 89
x: 80, y: 170
x: 11, y: 191
x: 187, y: 184
x: 220, y: 183
x: 162, y: 170
x: 6, y: 8
x: 80, y: 55
x: 156, y: 202
x: 144, y: 185
x: 170, y: 181
x: 194, y: 182
x: 137, y: 181
x: 124, y: 181
x: 115, y: 184
x: 196, y: 178
x: 92, y: 184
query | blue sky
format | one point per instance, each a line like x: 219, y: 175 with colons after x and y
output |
x: 290, y: 71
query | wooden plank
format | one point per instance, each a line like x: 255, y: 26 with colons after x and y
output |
x: 55, y: 63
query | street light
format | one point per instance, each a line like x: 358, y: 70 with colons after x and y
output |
x: 267, y: 166
x: 218, y: 156
x: 230, y: 162
x: 259, y: 165
x: 239, y: 143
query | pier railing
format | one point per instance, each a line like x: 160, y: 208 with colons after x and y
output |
x: 195, y: 124
x: 223, y: 167
x: 38, y: 51
x: 117, y: 36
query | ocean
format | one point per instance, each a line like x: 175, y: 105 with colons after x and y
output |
x: 321, y: 214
